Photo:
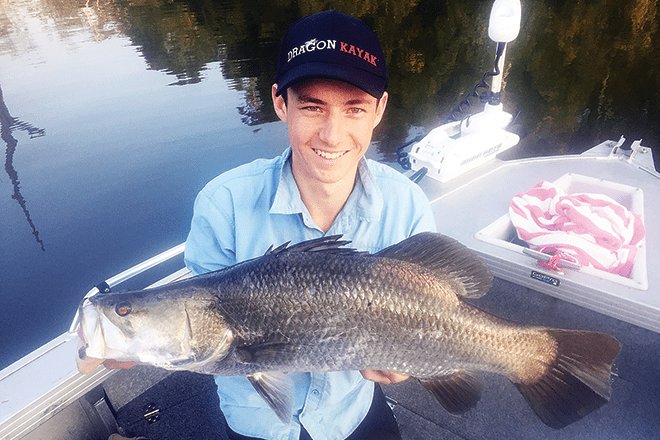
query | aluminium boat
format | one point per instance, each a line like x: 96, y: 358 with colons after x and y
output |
x: 43, y: 396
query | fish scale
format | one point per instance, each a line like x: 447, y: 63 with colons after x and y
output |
x: 317, y: 306
x: 385, y: 301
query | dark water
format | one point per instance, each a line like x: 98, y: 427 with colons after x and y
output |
x: 115, y: 113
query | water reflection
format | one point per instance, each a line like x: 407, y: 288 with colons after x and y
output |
x: 580, y: 72
x: 92, y: 21
x: 7, y: 125
x: 183, y: 38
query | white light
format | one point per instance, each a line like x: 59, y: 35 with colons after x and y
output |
x: 504, y: 24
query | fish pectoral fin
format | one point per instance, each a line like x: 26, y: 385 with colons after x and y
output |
x: 457, y: 392
x: 262, y: 353
x: 277, y: 389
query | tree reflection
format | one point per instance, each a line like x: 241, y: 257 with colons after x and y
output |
x: 580, y: 72
x: 587, y: 69
x: 8, y: 124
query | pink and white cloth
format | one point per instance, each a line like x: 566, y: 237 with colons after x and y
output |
x: 593, y: 229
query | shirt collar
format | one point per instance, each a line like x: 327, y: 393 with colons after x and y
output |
x: 365, y: 202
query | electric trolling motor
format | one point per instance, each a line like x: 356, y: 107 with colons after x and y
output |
x: 457, y: 147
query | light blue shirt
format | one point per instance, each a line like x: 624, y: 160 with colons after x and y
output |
x: 239, y: 215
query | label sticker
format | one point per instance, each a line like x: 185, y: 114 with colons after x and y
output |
x: 545, y: 278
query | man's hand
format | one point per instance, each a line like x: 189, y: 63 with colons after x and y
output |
x: 384, y: 377
x: 87, y: 364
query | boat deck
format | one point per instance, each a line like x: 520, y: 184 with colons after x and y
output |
x: 43, y: 397
x: 473, y: 209
x: 632, y: 413
x: 187, y: 403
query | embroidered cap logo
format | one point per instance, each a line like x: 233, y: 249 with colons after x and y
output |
x: 360, y: 53
x: 310, y: 46
x: 314, y: 44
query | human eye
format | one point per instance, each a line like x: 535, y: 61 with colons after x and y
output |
x: 358, y: 107
x: 356, y: 112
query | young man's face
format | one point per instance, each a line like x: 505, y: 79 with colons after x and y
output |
x: 330, y: 126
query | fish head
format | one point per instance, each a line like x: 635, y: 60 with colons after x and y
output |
x: 168, y: 329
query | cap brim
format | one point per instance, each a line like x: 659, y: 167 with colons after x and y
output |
x: 372, y: 84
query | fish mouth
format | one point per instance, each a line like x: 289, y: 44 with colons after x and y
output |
x: 329, y: 155
x: 92, y: 330
x: 98, y: 331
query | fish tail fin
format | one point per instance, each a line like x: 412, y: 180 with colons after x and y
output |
x: 577, y: 381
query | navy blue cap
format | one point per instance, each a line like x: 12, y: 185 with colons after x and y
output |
x: 332, y: 45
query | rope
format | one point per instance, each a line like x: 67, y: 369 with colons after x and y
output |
x: 553, y: 264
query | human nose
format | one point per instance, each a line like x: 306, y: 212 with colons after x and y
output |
x: 332, y: 130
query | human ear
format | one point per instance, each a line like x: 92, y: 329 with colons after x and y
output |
x: 380, y: 108
x: 279, y: 103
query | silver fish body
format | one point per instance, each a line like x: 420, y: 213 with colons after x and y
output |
x: 318, y: 306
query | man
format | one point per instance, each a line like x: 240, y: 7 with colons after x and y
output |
x: 330, y: 91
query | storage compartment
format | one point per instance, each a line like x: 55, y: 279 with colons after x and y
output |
x: 503, y: 234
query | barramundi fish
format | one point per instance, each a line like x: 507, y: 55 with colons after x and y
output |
x: 321, y: 306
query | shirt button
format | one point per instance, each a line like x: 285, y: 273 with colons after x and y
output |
x: 315, y: 392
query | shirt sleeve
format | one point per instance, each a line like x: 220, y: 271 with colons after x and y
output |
x: 423, y: 220
x: 211, y: 241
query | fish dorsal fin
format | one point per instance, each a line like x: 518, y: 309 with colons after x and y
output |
x: 330, y: 244
x: 277, y: 389
x: 446, y: 256
x: 457, y: 392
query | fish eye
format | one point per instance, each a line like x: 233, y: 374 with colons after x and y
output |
x: 123, y: 308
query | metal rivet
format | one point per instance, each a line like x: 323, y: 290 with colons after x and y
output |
x: 151, y: 413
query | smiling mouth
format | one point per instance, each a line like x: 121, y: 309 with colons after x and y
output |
x: 328, y: 155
